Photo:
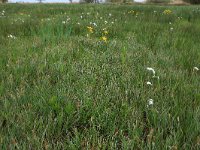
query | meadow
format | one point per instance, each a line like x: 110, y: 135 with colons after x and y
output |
x: 82, y: 76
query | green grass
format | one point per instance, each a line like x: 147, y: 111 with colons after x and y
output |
x: 62, y: 87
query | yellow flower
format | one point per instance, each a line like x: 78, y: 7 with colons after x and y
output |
x: 90, y: 29
x: 103, y: 38
x: 105, y: 32
x: 131, y: 12
x: 167, y: 12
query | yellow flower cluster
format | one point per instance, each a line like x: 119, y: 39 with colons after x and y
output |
x: 131, y: 12
x: 104, y: 33
x: 90, y: 29
x: 167, y: 12
x: 104, y: 38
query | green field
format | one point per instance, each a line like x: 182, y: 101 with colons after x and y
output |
x: 82, y: 77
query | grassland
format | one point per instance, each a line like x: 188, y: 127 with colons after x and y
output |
x: 75, y: 77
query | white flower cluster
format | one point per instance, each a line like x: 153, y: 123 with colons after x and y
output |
x: 67, y: 20
x: 150, y: 102
x: 2, y: 14
x: 11, y: 36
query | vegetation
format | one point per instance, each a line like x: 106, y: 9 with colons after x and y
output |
x: 159, y: 1
x: 193, y: 1
x: 99, y: 77
x: 3, y: 1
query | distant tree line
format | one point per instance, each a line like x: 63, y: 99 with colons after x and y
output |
x: 193, y: 1
x: 3, y: 1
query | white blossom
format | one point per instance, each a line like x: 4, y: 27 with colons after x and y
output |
x: 150, y: 102
x: 94, y: 24
x: 152, y: 70
x: 149, y: 83
x: 11, y: 36
x: 196, y: 69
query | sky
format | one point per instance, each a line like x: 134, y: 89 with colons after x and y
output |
x: 52, y: 1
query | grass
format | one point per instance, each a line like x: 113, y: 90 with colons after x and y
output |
x: 63, y: 87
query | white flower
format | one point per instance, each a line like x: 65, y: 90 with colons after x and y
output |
x: 196, y: 69
x: 150, y: 102
x: 170, y: 23
x: 101, y: 18
x: 149, y: 83
x: 64, y: 22
x: 81, y: 17
x: 11, y: 36
x: 106, y: 22
x: 78, y: 23
x: 171, y: 29
x: 112, y: 22
x: 94, y: 24
x: 110, y: 14
x: 155, y: 11
x: 152, y: 70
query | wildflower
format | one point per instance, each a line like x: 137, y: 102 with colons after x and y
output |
x: 167, y: 12
x: 196, y: 69
x: 150, y: 102
x: 81, y: 17
x: 78, y: 23
x: 149, y: 83
x: 131, y: 12
x: 152, y: 70
x: 94, y: 24
x: 103, y: 38
x: 112, y: 22
x: 171, y: 29
x: 68, y: 19
x: 110, y: 14
x: 90, y: 29
x: 64, y: 22
x: 105, y: 32
x: 105, y: 22
x: 11, y: 36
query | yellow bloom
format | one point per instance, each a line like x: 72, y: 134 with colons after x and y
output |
x: 105, y: 32
x: 167, y: 12
x: 90, y: 29
x: 103, y: 38
x: 131, y: 12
